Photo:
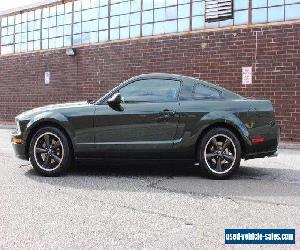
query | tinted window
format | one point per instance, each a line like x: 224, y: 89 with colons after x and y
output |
x: 151, y: 90
x: 187, y: 90
x: 202, y: 91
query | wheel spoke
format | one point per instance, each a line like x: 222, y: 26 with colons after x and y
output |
x: 214, y: 142
x: 46, y: 161
x: 56, y: 144
x: 40, y: 150
x: 56, y: 158
x: 219, y: 165
x: 226, y: 144
x: 47, y: 140
x: 229, y: 158
x: 210, y: 155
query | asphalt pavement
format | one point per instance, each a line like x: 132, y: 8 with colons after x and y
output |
x: 152, y: 205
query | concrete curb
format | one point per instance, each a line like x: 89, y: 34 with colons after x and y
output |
x: 7, y: 126
x: 282, y: 145
x: 289, y: 146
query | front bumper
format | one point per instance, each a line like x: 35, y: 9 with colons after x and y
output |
x: 19, y: 146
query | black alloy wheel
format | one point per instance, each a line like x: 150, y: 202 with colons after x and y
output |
x: 50, y: 151
x: 220, y: 153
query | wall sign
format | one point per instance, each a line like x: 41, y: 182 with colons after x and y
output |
x: 47, y: 77
x: 246, y: 75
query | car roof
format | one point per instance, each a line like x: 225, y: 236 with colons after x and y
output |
x: 177, y: 77
x: 186, y: 79
x: 163, y: 75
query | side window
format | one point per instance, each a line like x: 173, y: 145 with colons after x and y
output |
x: 202, y: 92
x: 187, y: 90
x: 151, y: 90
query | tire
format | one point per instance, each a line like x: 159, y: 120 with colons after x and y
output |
x: 52, y: 156
x: 219, y: 153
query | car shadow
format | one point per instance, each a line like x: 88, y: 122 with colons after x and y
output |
x: 142, y: 169
x: 278, y: 185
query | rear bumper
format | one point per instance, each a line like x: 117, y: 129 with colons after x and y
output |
x: 261, y: 155
x: 267, y: 147
x: 19, y: 148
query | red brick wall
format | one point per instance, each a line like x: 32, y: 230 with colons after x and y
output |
x: 217, y: 56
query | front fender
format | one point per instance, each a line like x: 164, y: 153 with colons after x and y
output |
x: 51, y: 117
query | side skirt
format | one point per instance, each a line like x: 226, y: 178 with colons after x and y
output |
x: 144, y: 161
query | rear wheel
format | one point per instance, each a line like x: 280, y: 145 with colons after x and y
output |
x: 220, y: 153
x: 50, y: 152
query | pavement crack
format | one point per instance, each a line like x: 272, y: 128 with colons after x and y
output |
x: 263, y: 202
x: 155, y: 213
x: 140, y: 210
x: 24, y: 165
x: 145, y: 211
x: 236, y: 200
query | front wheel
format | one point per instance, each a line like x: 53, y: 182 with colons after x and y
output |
x: 220, y: 153
x: 50, y: 152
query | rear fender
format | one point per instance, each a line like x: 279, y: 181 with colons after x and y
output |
x: 218, y: 117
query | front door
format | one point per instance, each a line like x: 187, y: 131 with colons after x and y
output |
x: 143, y: 125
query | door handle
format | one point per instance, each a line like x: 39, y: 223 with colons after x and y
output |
x: 166, y: 113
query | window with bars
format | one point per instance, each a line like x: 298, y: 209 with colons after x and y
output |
x: 125, y: 19
x: 7, y: 34
x: 161, y: 17
x: 56, y: 26
x: 265, y: 11
x: 92, y: 21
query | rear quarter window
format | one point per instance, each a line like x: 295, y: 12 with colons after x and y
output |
x: 204, y: 92
x: 187, y: 90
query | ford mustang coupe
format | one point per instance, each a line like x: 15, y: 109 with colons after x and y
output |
x: 152, y: 116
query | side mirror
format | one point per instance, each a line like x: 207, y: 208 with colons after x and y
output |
x: 116, y: 99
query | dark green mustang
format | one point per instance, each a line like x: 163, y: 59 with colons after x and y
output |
x: 153, y: 116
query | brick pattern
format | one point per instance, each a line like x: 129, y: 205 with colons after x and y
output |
x: 216, y: 56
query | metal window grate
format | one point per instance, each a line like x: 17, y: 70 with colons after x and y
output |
x: 216, y: 10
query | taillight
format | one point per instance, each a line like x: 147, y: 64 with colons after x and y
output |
x: 258, y: 140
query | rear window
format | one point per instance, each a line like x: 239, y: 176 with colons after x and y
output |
x: 202, y: 92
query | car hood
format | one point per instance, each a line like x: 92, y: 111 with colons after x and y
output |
x: 53, y: 107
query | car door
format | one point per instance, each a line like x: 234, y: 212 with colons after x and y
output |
x: 143, y: 125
